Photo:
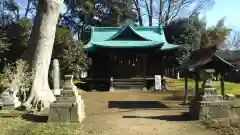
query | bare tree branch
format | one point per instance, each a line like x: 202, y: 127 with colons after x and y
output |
x: 160, y: 14
x: 202, y: 5
x: 168, y: 10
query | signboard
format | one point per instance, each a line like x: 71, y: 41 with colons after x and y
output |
x: 158, y: 84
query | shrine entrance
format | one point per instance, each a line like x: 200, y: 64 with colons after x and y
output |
x: 127, y: 66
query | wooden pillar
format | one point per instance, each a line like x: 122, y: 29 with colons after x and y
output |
x: 111, y: 70
x: 164, y: 71
x: 167, y: 72
x: 222, y: 84
x: 196, y: 85
x: 144, y: 72
x: 186, y: 87
x: 193, y: 87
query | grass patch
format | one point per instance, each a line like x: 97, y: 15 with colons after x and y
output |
x: 13, y: 123
x: 18, y: 126
x: 230, y: 88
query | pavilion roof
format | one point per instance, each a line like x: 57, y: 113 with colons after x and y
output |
x: 230, y: 55
x: 233, y: 56
x: 128, y: 36
x: 214, y: 61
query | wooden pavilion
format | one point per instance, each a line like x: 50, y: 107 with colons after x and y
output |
x: 212, y: 61
x: 126, y: 57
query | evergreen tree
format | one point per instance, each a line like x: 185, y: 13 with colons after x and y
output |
x: 193, y: 34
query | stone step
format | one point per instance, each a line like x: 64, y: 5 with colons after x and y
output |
x: 128, y: 80
x: 127, y: 83
x: 127, y: 87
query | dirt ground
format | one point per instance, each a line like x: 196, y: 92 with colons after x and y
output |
x: 114, y: 113
x: 136, y: 113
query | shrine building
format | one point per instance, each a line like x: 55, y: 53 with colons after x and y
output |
x: 127, y: 57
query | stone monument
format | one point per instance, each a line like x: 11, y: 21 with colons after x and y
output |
x: 69, y: 107
x: 207, y: 103
x: 56, y: 78
x: 158, y: 82
x: 9, y: 99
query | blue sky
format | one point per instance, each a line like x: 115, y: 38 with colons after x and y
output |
x: 228, y: 8
x: 222, y: 8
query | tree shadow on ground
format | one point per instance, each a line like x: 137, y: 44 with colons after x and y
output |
x: 183, y: 117
x: 136, y: 104
x: 35, y: 118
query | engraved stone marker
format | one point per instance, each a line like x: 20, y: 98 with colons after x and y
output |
x: 158, y: 82
x: 69, y: 107
x: 56, y: 77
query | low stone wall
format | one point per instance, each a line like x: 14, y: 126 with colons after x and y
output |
x: 214, y: 110
x: 202, y: 110
x: 209, y: 105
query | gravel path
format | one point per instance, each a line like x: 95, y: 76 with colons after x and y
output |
x: 134, y: 118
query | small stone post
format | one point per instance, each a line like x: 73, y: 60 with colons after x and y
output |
x: 178, y: 75
x: 69, y: 107
x: 111, y: 85
x: 56, y: 77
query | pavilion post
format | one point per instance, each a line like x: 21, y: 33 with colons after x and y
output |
x: 163, y: 71
x: 222, y: 84
x: 186, y: 87
x: 196, y: 85
x: 193, y: 87
x: 111, y: 72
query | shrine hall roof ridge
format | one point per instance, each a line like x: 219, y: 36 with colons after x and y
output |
x: 152, y: 36
x: 154, y: 33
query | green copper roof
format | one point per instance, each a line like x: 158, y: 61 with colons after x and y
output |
x: 128, y: 36
x: 168, y: 46
x: 127, y: 44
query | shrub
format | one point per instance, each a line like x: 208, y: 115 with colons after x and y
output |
x: 16, y: 76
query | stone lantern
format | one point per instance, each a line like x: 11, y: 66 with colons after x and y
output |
x: 208, y: 92
x: 69, y: 107
x: 208, y: 104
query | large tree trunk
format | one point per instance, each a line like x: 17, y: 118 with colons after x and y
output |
x: 39, y: 51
